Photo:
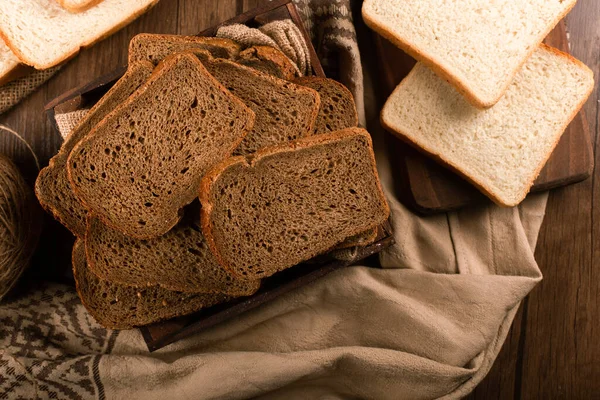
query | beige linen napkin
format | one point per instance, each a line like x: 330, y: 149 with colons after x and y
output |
x: 429, y: 324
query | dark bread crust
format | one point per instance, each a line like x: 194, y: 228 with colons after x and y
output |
x: 269, y: 60
x: 181, y: 198
x: 444, y: 73
x: 140, y: 46
x: 213, y: 175
x: 117, y: 306
x: 362, y: 239
x: 486, y: 190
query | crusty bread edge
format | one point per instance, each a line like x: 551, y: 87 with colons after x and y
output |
x: 224, y: 42
x: 39, y: 193
x: 485, y: 189
x: 286, y: 66
x: 172, y: 59
x: 84, y: 45
x: 92, y: 311
x: 213, y: 175
x: 338, y: 84
x: 437, y: 66
x: 79, y: 9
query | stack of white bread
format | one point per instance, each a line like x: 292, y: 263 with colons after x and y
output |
x: 487, y: 98
x: 45, y: 33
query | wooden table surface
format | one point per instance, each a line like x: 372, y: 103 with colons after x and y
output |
x: 553, y: 349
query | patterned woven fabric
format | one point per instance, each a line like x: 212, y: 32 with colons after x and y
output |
x: 66, y: 122
x: 50, y: 347
x: 332, y: 31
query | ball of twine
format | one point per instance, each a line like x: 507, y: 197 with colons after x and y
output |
x: 20, y: 224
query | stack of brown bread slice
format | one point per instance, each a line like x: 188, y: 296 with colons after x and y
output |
x: 206, y: 168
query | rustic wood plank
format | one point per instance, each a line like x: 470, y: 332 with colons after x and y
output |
x: 560, y: 356
x: 196, y: 16
x: 562, y: 353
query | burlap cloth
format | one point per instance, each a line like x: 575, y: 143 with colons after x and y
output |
x: 427, y: 325
x: 13, y: 92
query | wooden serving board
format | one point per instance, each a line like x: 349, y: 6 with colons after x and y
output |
x: 161, y: 334
x: 429, y: 188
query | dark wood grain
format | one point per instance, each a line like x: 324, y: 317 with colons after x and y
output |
x: 433, y: 188
x: 560, y: 328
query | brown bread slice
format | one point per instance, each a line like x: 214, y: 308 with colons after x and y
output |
x: 143, y: 163
x: 52, y: 185
x: 289, y: 203
x: 123, y: 307
x: 284, y: 111
x: 155, y: 48
x: 179, y: 260
x: 338, y: 110
x: 269, y: 60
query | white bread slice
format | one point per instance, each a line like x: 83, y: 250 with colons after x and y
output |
x: 477, y: 45
x: 76, y: 6
x: 9, y: 64
x: 501, y: 150
x: 43, y: 34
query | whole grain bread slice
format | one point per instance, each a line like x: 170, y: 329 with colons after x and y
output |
x: 269, y: 60
x: 179, y: 260
x: 117, y: 306
x: 155, y: 48
x: 284, y: 111
x: 52, y: 186
x: 338, y: 110
x: 289, y: 203
x: 143, y: 163
x: 501, y: 150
